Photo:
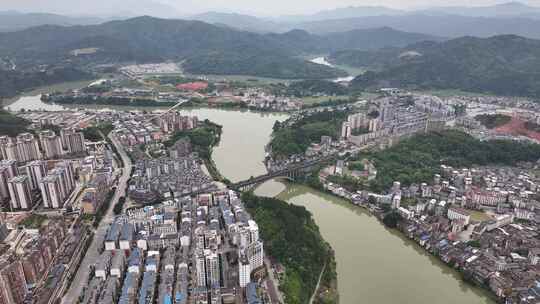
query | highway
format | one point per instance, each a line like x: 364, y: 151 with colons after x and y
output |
x: 92, y: 255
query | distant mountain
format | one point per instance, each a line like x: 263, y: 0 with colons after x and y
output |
x: 241, y: 22
x: 374, y: 38
x: 107, y: 8
x: 343, y: 13
x: 505, y: 65
x: 442, y: 26
x: 205, y: 48
x: 365, y: 39
x: 504, y: 10
x: 11, y: 21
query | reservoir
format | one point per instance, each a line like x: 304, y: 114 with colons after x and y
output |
x: 375, y: 265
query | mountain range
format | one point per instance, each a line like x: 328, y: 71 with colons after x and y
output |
x: 203, y: 47
x: 455, y: 21
x: 508, y: 18
x: 11, y: 21
x: 504, y: 10
x: 504, y: 65
x: 501, y: 64
x: 96, y: 8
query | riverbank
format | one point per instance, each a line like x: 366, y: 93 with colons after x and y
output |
x: 70, y: 85
x: 292, y: 238
x: 327, y: 289
x: 376, y: 264
x: 302, y: 282
x: 400, y: 228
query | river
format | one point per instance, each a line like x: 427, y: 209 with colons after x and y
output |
x: 375, y: 265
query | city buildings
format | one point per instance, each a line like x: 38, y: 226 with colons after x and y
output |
x: 72, y: 141
x: 20, y: 193
x: 178, y: 241
x: 36, y: 170
x: 8, y: 170
x: 35, y: 250
x: 23, y: 148
x: 459, y: 214
x: 173, y: 121
x: 12, y: 281
x: 58, y: 185
x: 397, y: 116
x: 481, y: 221
x: 51, y: 144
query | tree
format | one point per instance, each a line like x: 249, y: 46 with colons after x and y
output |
x: 392, y: 219
x: 277, y: 126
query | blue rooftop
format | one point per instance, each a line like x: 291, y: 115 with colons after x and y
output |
x: 251, y: 294
x: 135, y: 257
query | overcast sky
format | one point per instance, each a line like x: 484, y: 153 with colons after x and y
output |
x: 185, y: 7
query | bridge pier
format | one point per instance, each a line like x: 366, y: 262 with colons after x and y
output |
x: 292, y: 174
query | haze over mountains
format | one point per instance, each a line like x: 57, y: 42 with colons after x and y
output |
x: 203, y: 47
x: 14, y: 21
x: 508, y: 18
x: 425, y: 49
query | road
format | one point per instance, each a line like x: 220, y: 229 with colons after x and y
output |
x: 92, y: 255
x: 272, y: 284
x: 316, y: 291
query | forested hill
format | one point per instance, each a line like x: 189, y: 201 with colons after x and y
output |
x: 206, y: 48
x: 505, y: 65
x: 14, y: 82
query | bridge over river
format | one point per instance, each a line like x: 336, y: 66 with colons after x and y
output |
x: 293, y: 172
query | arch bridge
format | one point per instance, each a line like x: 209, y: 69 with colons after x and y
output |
x: 292, y: 173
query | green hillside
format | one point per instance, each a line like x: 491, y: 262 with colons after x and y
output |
x: 505, y: 65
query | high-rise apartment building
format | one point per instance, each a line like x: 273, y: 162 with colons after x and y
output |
x: 12, y: 282
x: 28, y: 147
x: 51, y: 144
x: 212, y: 269
x: 4, y: 140
x: 20, y: 192
x: 201, y: 270
x: 72, y: 141
x: 346, y: 130
x: 36, y: 170
x: 58, y: 185
x: 255, y: 254
x: 8, y: 170
x: 52, y: 192
x: 22, y: 149
x: 244, y: 270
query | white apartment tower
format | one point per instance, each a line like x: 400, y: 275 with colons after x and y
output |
x: 8, y: 170
x: 253, y: 231
x: 201, y: 271
x: 28, y: 147
x: 73, y: 142
x: 52, y: 192
x: 255, y: 255
x: 36, y: 170
x: 51, y: 144
x: 346, y: 130
x: 244, y: 271
x: 58, y: 185
x: 20, y: 193
x: 212, y: 269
